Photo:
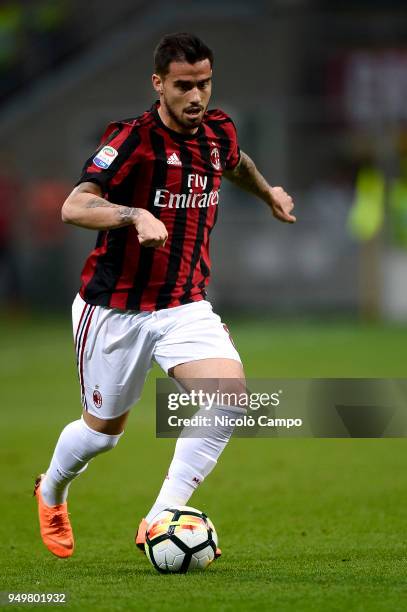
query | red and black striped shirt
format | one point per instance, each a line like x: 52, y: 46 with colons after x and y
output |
x: 144, y: 164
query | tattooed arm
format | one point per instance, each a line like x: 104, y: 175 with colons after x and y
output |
x: 86, y: 207
x: 246, y: 176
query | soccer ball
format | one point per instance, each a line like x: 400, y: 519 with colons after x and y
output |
x: 180, y: 539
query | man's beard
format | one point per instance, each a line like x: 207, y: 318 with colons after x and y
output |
x: 183, y: 124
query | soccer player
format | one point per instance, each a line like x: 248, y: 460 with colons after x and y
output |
x: 151, y: 190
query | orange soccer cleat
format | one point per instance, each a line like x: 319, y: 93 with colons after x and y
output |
x: 140, y: 538
x: 55, y: 527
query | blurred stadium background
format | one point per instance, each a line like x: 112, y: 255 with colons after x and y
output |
x: 318, y: 94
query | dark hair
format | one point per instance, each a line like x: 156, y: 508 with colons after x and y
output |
x: 180, y: 47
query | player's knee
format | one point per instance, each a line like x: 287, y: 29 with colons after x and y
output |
x: 102, y: 442
x: 96, y: 441
x: 109, y: 426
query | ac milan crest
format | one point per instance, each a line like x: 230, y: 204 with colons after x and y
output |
x: 215, y: 158
x: 97, y: 398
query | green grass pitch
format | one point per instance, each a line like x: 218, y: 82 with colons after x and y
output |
x: 304, y: 524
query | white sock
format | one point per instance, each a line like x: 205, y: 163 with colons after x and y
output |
x: 193, y: 460
x: 77, y: 444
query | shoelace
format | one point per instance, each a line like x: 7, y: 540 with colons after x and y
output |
x: 60, y: 522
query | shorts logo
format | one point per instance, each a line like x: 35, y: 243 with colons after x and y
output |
x: 215, y: 158
x: 105, y: 156
x: 97, y: 398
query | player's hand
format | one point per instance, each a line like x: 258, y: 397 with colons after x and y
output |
x: 281, y: 205
x: 151, y: 231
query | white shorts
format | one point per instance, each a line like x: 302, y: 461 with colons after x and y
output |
x: 115, y: 349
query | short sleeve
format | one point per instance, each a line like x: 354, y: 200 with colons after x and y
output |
x: 112, y: 161
x: 233, y: 157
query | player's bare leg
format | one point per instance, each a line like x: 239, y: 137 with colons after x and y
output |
x: 209, y: 368
x: 112, y: 427
x: 195, y: 458
x: 78, y: 443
